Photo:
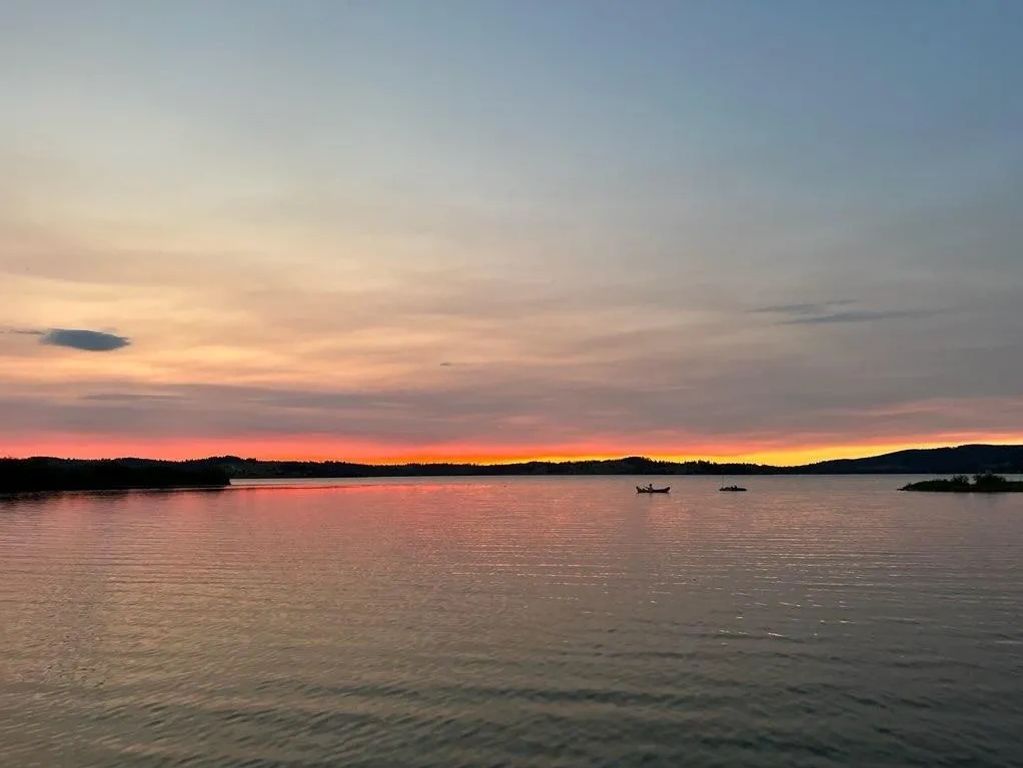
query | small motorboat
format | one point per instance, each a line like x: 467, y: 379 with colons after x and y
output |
x: 732, y: 489
x: 651, y: 489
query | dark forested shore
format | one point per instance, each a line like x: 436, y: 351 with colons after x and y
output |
x: 965, y: 459
x: 45, y: 473
x: 52, y: 474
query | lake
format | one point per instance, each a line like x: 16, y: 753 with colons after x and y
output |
x: 814, y: 621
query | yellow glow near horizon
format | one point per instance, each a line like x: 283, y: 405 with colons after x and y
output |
x: 301, y: 448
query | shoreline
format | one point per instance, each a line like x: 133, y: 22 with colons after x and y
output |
x: 342, y: 483
x: 44, y: 473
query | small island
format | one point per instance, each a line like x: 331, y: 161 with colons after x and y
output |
x: 44, y: 473
x: 986, y: 483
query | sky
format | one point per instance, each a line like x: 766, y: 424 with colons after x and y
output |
x: 395, y: 231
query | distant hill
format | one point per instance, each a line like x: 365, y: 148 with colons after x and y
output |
x: 46, y: 473
x: 964, y: 459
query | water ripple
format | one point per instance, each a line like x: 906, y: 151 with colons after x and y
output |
x: 503, y: 622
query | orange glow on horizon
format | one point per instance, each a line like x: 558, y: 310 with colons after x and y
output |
x: 324, y: 448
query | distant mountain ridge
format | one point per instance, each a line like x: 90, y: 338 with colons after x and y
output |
x: 47, y: 473
x: 963, y: 459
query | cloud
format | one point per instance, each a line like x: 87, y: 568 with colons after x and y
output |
x: 126, y: 397
x: 857, y: 316
x: 24, y: 331
x: 808, y: 308
x: 88, y: 341
x: 826, y: 312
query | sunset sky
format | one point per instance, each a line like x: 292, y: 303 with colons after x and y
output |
x: 776, y: 231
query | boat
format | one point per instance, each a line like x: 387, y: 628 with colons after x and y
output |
x: 651, y: 489
x: 732, y: 488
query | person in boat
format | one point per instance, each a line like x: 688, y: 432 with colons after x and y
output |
x: 649, y: 486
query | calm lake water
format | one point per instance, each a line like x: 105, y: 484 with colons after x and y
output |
x: 513, y: 622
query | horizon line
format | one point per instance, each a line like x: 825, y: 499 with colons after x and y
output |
x: 536, y: 460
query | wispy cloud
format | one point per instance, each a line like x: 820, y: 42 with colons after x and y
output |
x: 857, y: 316
x: 837, y: 311
x: 807, y: 308
x: 127, y: 397
x: 24, y: 331
x: 85, y: 340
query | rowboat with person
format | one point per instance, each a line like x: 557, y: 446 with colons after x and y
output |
x: 649, y: 488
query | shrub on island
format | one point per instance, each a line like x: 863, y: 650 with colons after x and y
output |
x: 985, y: 483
